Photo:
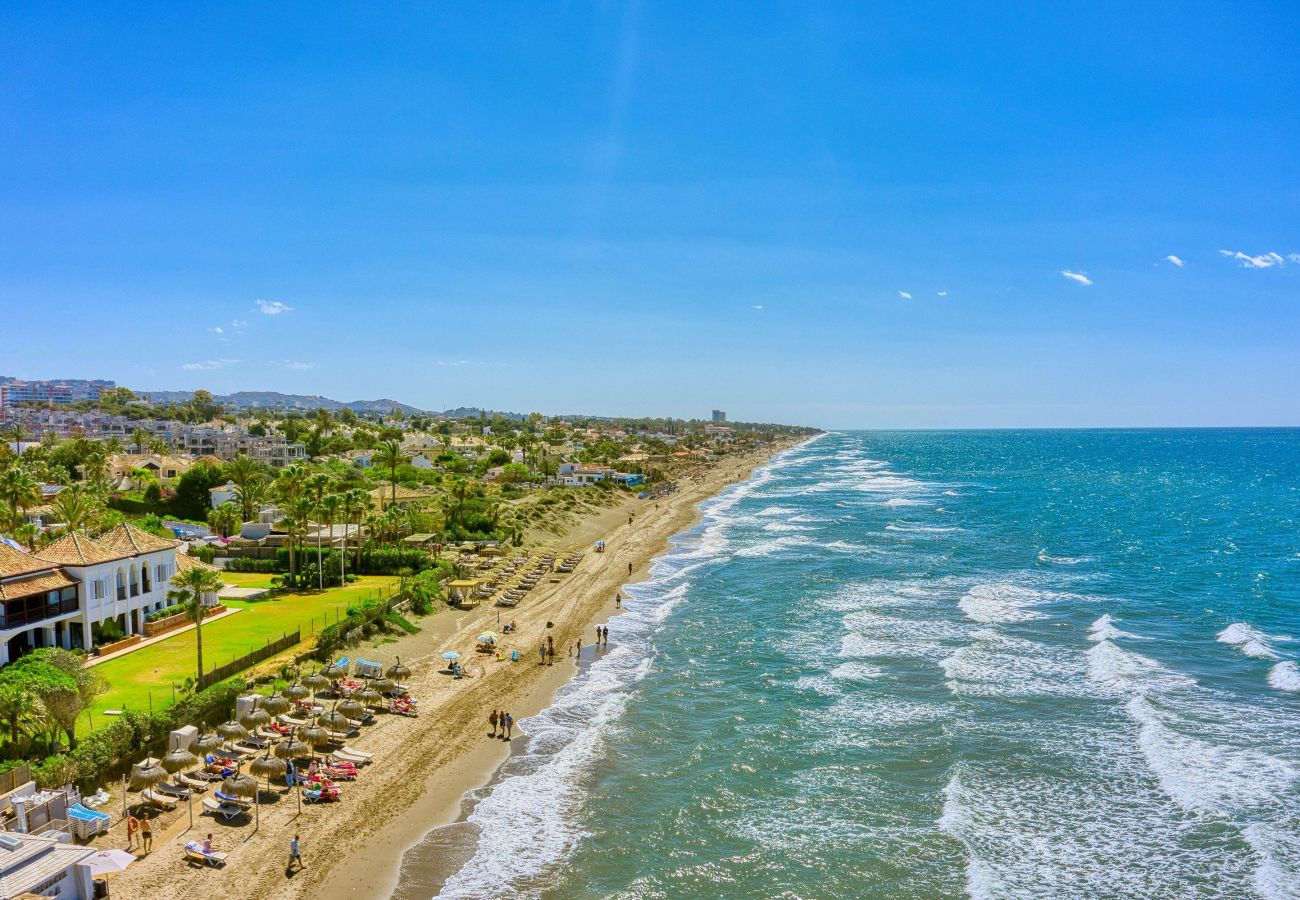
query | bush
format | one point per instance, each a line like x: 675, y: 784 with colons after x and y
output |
x: 263, y: 566
x: 165, y: 612
x: 55, y: 771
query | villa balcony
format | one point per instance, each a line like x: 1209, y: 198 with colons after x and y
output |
x: 20, y: 618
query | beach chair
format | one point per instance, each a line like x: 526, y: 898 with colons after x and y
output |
x: 286, y: 719
x: 193, y: 782
x: 178, y: 791
x: 231, y: 800
x: 225, y: 810
x: 194, y: 855
x: 346, y: 756
x: 153, y: 798
x: 86, y: 823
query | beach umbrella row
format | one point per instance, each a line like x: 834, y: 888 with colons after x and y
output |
x: 179, y: 760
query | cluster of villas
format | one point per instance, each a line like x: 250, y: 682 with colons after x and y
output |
x: 61, y: 595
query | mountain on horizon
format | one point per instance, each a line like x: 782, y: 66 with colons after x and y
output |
x: 244, y: 400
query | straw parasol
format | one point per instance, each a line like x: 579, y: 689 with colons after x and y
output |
x: 316, y: 681
x: 276, y: 705
x: 232, y: 731
x: 147, y: 773
x: 240, y: 785
x: 297, y: 691
x: 334, y: 670
x: 179, y: 760
x: 353, y: 709
x: 333, y: 720
x: 208, y: 742
x: 254, y: 719
x: 383, y: 685
x: 268, y: 767
x: 313, y: 736
x: 369, y: 696
x: 397, y: 671
x: 291, y: 749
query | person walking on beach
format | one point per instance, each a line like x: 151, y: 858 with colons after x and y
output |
x: 492, y: 720
x: 606, y: 635
x: 578, y: 657
x: 618, y: 600
x: 550, y: 650
x: 541, y: 654
x: 629, y: 568
x: 597, y: 634
x: 146, y: 834
x: 295, y: 856
x: 509, y: 725
x: 132, y: 826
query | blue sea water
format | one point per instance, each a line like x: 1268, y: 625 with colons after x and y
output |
x: 987, y: 664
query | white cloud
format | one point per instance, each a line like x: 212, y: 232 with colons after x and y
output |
x: 1081, y: 277
x: 905, y: 295
x: 454, y: 362
x: 272, y: 307
x: 1262, y: 261
x: 209, y: 364
x: 292, y: 364
x: 217, y: 329
x: 238, y: 325
x: 1175, y: 260
x: 941, y: 294
x: 1294, y: 257
x: 757, y: 306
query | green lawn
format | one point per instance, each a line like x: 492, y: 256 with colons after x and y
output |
x: 149, y: 674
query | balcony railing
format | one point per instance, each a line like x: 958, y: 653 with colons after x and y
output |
x: 20, y: 617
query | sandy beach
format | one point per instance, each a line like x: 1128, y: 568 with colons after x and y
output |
x: 424, y: 767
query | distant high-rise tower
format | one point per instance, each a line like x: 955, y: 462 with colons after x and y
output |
x: 719, y: 417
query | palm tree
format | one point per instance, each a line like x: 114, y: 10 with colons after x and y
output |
x: 140, y: 439
x: 77, y: 507
x: 298, y: 517
x: 288, y: 486
x: 389, y: 454
x: 356, y: 502
x: 27, y: 533
x: 19, y: 489
x: 225, y: 518
x: 331, y: 507
x: 317, y: 485
x: 189, y: 587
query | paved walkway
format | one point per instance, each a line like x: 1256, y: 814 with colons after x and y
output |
x: 96, y: 660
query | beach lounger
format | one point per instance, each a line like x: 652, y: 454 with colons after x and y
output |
x: 194, y: 855
x: 225, y: 810
x: 193, y: 782
x: 229, y: 800
x: 87, y: 823
x: 354, y: 754
x: 286, y: 719
x: 180, y: 792
x: 153, y: 798
x: 248, y: 748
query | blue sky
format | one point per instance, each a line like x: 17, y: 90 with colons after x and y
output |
x: 836, y: 214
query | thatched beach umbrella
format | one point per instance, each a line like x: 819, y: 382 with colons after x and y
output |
x: 147, y: 773
x: 232, y: 731
x: 276, y: 705
x: 369, y: 696
x: 292, y: 749
x: 316, y: 681
x: 240, y: 785
x: 268, y: 767
x: 208, y: 742
x: 314, y: 736
x: 397, y: 671
x: 383, y: 685
x: 333, y: 720
x: 334, y: 670
x: 353, y: 709
x: 296, y: 691
x: 179, y: 760
x: 254, y: 719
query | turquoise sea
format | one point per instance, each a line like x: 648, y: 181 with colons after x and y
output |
x: 987, y: 664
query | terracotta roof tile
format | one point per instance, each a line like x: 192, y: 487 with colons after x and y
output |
x: 130, y: 540
x: 185, y: 562
x: 75, y: 549
x: 15, y: 562
x: 36, y: 584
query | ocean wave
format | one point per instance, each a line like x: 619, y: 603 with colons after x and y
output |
x: 996, y: 665
x: 905, y: 501
x: 1002, y: 602
x: 781, y: 527
x: 908, y: 528
x: 1045, y: 557
x: 1249, y: 641
x: 1284, y: 677
x: 1104, y: 630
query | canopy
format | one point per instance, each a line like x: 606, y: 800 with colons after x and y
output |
x: 106, y: 861
x: 489, y: 637
x: 451, y: 654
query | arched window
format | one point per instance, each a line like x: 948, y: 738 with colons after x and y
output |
x: 144, y: 577
x: 135, y: 580
x: 121, y: 583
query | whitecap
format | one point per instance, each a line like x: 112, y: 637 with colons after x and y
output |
x: 1045, y: 557
x: 1284, y: 677
x: 1002, y: 602
x: 1249, y: 641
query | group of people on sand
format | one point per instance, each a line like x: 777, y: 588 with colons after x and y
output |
x: 502, y: 721
x: 546, y: 652
x: 141, y: 827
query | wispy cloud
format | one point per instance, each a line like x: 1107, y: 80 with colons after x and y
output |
x: 292, y: 364
x: 219, y: 332
x: 454, y: 362
x: 209, y: 364
x: 1081, y: 277
x: 941, y: 293
x: 905, y: 295
x: 238, y: 326
x: 1175, y: 260
x: 272, y: 307
x: 1262, y: 261
x: 757, y: 306
x: 1294, y: 257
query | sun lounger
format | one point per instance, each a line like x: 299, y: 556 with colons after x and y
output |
x: 86, y: 823
x: 357, y: 756
x: 227, y: 811
x: 249, y: 748
x: 286, y: 719
x: 153, y: 798
x: 230, y: 800
x: 193, y: 782
x: 180, y: 792
x: 195, y: 855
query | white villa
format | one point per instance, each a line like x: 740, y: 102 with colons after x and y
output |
x: 60, y: 596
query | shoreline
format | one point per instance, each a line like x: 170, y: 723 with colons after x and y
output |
x: 426, y: 767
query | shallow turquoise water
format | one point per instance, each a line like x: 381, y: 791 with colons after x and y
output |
x: 1030, y: 664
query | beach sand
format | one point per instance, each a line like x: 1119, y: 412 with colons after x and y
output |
x: 425, y: 766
